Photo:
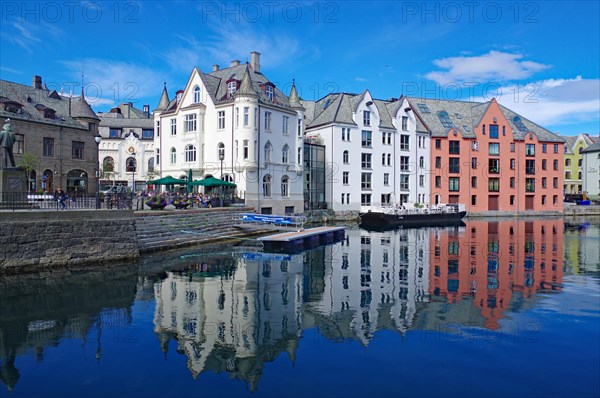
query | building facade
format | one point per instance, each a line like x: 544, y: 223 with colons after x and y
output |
x: 58, y: 131
x: 376, y: 151
x: 236, y: 124
x: 126, y: 150
x: 591, y: 171
x: 489, y: 158
x: 574, y: 145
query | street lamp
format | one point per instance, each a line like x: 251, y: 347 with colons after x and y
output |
x: 221, y: 158
x: 133, y: 165
x: 98, y: 138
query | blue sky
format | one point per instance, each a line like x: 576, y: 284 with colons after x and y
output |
x: 541, y: 59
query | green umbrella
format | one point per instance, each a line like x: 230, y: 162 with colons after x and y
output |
x: 168, y: 180
x: 190, y: 179
x: 213, y: 182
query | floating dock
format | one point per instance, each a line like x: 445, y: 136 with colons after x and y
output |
x: 295, y: 241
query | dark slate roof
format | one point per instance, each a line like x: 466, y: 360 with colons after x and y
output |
x: 164, y: 100
x: 595, y: 147
x: 541, y: 133
x: 28, y: 97
x: 569, y: 143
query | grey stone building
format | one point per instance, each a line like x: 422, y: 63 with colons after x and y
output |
x: 58, y: 131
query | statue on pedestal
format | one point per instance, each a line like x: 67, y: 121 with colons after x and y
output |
x: 7, y: 141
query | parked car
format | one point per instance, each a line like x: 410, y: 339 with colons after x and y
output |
x: 115, y: 189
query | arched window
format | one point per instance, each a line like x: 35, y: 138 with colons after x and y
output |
x: 131, y: 165
x: 220, y: 151
x: 151, y: 164
x: 285, y: 154
x: 190, y: 153
x: 299, y: 156
x: 108, y: 164
x: 421, y: 162
x: 580, y: 149
x: 196, y: 95
x: 285, y: 186
x: 173, y: 156
x: 228, y: 177
x: 445, y: 119
x: 268, y: 151
x: 267, y: 186
x: 346, y: 157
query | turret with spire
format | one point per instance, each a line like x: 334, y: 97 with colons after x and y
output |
x: 164, y: 100
x: 294, y: 99
x: 82, y: 111
x: 246, y: 89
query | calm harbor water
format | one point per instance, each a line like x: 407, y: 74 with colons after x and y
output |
x: 495, y: 309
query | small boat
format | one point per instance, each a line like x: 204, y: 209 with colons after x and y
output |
x: 399, y: 216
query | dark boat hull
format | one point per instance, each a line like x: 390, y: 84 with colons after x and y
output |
x: 379, y: 221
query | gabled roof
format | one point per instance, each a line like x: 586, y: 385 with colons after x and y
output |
x: 595, y: 147
x: 66, y: 109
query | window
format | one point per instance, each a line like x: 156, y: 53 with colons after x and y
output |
x: 246, y: 150
x: 543, y: 164
x: 494, y: 149
x: 438, y: 143
x: 438, y: 162
x: 268, y: 151
x: 299, y: 128
x: 383, y: 159
x: 147, y: 134
x: 455, y: 147
x: 196, y: 94
x: 567, y: 162
x: 555, y: 148
x: 268, y: 120
x: 494, y: 166
x: 366, y: 160
x: 544, y: 148
x: 346, y: 157
x: 513, y: 164
x: 423, y: 108
x: 365, y: 199
x: 285, y: 186
x: 404, y: 142
x: 404, y: 123
x: 131, y: 165
x: 555, y: 182
x: 173, y: 156
x: 438, y: 181
x: 189, y: 123
x: 404, y: 163
x: 445, y: 119
x: 115, y: 133
x: 366, y: 139
x: 512, y: 182
x: 151, y: 164
x: 365, y: 181
x: 529, y: 166
x: 494, y: 184
x: 530, y: 185
x: 579, y: 162
x: 483, y: 129
x: 454, y: 165
x: 190, y: 153
x: 474, y: 182
x: 555, y: 164
x: 367, y: 118
x: 404, y: 179
x: 473, y: 200
x: 567, y: 175
x: 529, y: 149
x: 269, y: 92
x: 285, y: 154
x: 544, y: 182
x: 554, y: 199
x: 386, y: 179
x: 493, y: 131
x: 108, y: 164
x: 421, y: 162
x: 221, y: 118
x: 512, y: 146
x: 346, y: 177
x: 246, y: 116
x: 48, y: 147
x: 173, y: 126
x: 299, y: 156
x: 473, y: 163
x: 454, y: 184
x: 284, y: 127
x: 158, y: 128
x: 385, y: 200
x: 421, y: 180
x: 77, y: 148
x: 344, y: 134
x: 231, y: 87
x: 267, y: 186
x: 157, y: 156
x: 512, y: 200
x: 519, y: 124
x: 389, y: 159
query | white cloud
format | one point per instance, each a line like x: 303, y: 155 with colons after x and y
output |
x: 493, y: 66
x: 30, y: 36
x: 110, y: 82
x: 554, y: 101
x: 360, y: 79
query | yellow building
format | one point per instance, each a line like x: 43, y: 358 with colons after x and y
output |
x: 573, y: 161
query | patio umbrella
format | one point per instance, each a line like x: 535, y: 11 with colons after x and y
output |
x: 168, y: 180
x: 213, y: 182
x: 189, y: 181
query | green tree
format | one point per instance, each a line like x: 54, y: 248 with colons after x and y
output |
x: 29, y: 162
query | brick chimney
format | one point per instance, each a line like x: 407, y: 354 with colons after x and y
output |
x: 215, y: 68
x: 37, y: 82
x: 255, y: 61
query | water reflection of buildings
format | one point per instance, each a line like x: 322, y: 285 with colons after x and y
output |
x: 493, y: 263
x: 37, y: 313
x: 234, y: 320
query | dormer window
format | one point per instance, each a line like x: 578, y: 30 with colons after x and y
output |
x: 269, y: 92
x: 231, y: 87
x: 367, y: 118
x: 49, y: 114
x: 10, y: 106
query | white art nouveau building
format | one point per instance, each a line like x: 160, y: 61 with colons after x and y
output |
x: 236, y: 124
x: 377, y: 152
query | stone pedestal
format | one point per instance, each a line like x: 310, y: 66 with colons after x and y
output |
x: 13, y: 185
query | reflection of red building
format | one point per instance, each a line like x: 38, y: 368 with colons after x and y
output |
x: 489, y: 261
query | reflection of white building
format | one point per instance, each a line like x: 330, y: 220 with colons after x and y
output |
x: 374, y: 282
x: 236, y: 124
x: 127, y: 146
x: 236, y: 322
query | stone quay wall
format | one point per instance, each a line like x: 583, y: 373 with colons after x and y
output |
x: 38, y: 241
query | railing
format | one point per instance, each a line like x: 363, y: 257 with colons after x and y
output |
x: 27, y: 201
x: 270, y: 219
